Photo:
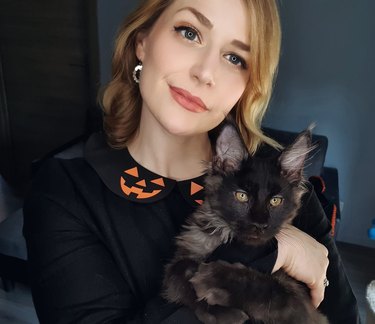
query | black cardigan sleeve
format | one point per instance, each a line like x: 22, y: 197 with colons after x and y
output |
x: 339, y: 303
x: 74, y: 278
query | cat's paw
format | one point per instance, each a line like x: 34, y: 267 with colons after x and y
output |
x: 211, y: 282
x: 207, y: 285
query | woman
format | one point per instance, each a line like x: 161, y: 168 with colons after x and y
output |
x: 99, y: 229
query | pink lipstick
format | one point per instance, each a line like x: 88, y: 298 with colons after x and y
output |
x: 187, y: 100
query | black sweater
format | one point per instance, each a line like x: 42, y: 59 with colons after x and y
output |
x: 99, y: 230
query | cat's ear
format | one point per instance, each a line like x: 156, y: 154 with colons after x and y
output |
x: 292, y: 159
x: 230, y: 149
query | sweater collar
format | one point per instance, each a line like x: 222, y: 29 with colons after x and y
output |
x: 130, y: 180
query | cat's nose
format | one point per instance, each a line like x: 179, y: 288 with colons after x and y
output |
x: 261, y: 227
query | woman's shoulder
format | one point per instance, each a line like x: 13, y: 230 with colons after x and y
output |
x: 61, y: 172
x: 61, y: 186
x: 63, y: 176
x: 55, y: 174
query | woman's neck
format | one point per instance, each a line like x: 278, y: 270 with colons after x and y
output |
x: 172, y: 156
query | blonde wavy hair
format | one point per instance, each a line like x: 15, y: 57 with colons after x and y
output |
x: 121, y: 101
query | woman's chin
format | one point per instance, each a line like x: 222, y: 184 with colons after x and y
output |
x: 182, y: 126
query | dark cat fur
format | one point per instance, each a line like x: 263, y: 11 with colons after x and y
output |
x: 222, y: 292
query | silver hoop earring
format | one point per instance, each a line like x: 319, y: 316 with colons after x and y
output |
x: 137, y: 72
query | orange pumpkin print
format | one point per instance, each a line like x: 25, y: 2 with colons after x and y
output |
x: 140, y: 187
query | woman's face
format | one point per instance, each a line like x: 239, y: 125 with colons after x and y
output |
x: 194, y: 64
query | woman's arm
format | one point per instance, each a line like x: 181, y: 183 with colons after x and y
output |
x: 304, y: 258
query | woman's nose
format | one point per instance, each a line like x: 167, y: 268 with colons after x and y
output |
x: 205, y: 68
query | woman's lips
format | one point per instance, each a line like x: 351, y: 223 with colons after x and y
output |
x: 187, y: 100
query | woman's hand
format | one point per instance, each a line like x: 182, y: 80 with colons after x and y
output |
x: 304, y: 259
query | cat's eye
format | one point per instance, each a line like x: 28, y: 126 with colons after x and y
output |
x: 276, y: 201
x: 241, y: 196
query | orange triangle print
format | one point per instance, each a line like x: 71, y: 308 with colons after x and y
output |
x: 159, y: 182
x: 141, y: 183
x: 133, y: 172
x: 195, y: 188
x: 200, y: 202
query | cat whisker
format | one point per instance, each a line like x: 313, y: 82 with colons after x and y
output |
x: 310, y: 157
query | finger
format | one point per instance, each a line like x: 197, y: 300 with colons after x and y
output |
x: 317, y: 290
x: 317, y: 294
x: 325, y: 251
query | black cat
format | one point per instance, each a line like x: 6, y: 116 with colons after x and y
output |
x: 247, y: 200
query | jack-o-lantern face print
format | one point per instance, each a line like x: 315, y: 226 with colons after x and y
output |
x: 139, y: 186
x: 128, y: 179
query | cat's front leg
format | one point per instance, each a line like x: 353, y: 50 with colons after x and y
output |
x: 177, y: 287
x: 216, y: 281
x: 260, y: 296
x: 212, y: 302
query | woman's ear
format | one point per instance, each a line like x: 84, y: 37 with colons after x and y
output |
x: 140, y: 46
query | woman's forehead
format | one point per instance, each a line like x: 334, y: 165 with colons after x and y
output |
x: 222, y: 15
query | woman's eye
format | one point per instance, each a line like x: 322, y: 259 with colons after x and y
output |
x: 276, y: 201
x: 236, y: 60
x: 241, y: 196
x: 188, y: 32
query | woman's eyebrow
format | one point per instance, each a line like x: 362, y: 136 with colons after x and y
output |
x: 202, y: 18
x: 241, y: 45
x: 206, y: 22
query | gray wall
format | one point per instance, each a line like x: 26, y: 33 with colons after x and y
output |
x: 110, y: 15
x: 326, y: 75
